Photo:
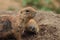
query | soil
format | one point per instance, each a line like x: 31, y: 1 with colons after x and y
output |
x: 49, y: 24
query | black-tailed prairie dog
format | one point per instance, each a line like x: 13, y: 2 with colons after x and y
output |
x: 25, y: 15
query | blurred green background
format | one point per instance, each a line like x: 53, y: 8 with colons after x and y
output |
x: 46, y: 5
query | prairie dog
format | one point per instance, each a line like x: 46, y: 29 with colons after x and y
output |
x: 25, y: 15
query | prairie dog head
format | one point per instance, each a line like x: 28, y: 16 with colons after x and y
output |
x: 27, y: 12
x: 32, y: 26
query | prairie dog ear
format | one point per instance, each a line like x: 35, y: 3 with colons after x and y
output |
x: 32, y: 26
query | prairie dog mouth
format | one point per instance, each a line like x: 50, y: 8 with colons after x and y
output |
x: 28, y: 33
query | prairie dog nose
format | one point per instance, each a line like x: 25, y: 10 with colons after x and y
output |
x: 31, y: 28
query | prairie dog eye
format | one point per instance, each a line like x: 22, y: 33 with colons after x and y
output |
x: 27, y: 11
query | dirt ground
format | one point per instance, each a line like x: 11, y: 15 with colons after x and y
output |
x: 49, y: 24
